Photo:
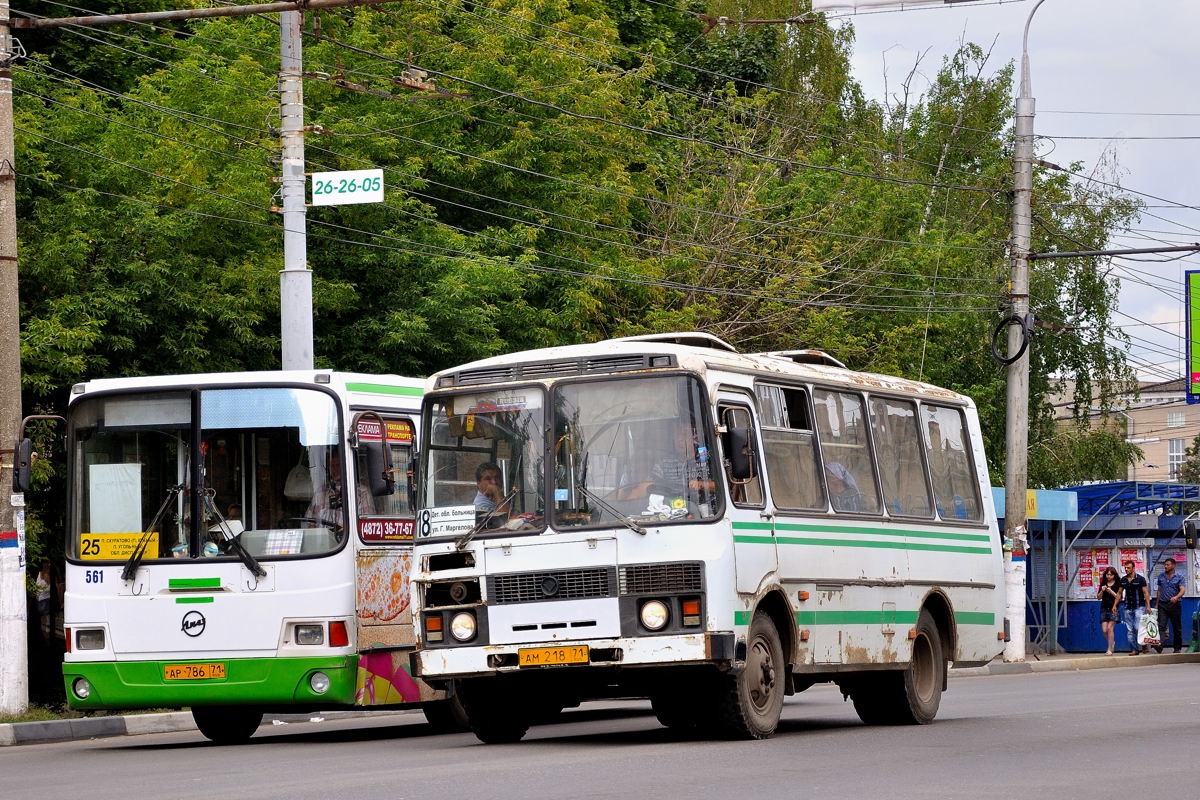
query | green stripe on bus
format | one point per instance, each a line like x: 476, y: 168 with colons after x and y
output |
x: 274, y: 681
x: 194, y: 583
x: 842, y: 617
x: 867, y: 531
x: 871, y: 618
x: 940, y: 548
x: 380, y: 388
x: 194, y: 599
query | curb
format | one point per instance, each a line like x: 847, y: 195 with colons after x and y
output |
x: 1075, y: 664
x: 62, y: 730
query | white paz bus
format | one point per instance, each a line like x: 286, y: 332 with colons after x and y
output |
x: 240, y: 543
x: 661, y: 516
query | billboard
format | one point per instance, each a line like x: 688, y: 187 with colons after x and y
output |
x: 1191, y: 284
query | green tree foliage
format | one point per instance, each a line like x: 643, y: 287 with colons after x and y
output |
x: 556, y: 171
x: 1189, y: 470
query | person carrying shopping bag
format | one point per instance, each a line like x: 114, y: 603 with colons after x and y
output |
x: 1135, y: 592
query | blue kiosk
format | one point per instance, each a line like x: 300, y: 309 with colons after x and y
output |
x: 1077, y: 532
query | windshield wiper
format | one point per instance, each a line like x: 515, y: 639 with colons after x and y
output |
x: 605, y: 505
x: 139, y: 550
x: 233, y: 539
x: 487, y: 517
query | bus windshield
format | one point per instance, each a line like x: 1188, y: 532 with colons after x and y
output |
x: 620, y: 451
x: 484, y: 463
x: 634, y: 448
x: 183, y: 474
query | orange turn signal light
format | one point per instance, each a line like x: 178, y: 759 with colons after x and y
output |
x: 337, y: 634
x: 804, y: 636
x: 433, y: 623
x: 691, y: 608
x: 802, y: 595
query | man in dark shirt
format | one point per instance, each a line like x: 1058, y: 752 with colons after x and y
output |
x: 1135, y: 595
x: 1169, y: 592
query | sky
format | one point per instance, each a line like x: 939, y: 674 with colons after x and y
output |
x: 1134, y: 65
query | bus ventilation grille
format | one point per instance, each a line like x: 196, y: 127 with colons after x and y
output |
x: 534, y: 587
x: 540, y: 370
x: 662, y: 578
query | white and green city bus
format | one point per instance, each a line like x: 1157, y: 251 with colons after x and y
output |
x: 707, y: 529
x: 214, y: 561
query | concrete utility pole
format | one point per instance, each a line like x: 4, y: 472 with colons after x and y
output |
x: 14, y: 657
x: 295, y: 280
x: 1016, y: 462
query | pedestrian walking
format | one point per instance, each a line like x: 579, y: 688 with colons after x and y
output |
x: 1109, y: 595
x: 1135, y: 593
x: 1169, y: 591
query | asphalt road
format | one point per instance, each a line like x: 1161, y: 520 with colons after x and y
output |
x: 1055, y: 735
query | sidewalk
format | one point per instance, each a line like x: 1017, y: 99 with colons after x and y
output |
x: 1065, y: 662
x: 60, y: 730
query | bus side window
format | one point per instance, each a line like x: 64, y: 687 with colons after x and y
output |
x: 898, y: 451
x: 742, y: 492
x: 789, y: 448
x: 955, y: 488
x: 845, y: 447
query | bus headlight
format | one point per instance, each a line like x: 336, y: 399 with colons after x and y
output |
x: 82, y: 688
x: 90, y: 639
x: 654, y: 615
x: 310, y: 634
x: 462, y: 626
x: 319, y: 682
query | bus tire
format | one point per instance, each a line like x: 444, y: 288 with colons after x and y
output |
x: 910, y: 696
x: 447, y: 716
x: 494, y: 711
x: 227, y: 724
x: 751, y: 701
x: 676, y: 710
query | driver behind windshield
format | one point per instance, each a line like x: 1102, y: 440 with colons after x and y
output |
x: 681, y: 472
x: 490, y: 502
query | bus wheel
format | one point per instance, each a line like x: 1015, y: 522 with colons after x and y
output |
x: 676, y: 710
x: 227, y: 724
x: 911, y: 696
x: 495, y: 712
x: 751, y: 701
x: 447, y: 716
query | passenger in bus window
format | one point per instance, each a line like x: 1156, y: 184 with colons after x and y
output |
x: 843, y: 489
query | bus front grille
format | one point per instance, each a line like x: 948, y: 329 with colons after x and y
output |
x: 534, y: 587
x: 644, y: 579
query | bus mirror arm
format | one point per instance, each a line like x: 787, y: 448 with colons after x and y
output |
x: 413, y: 475
x: 741, y: 455
x: 379, y: 457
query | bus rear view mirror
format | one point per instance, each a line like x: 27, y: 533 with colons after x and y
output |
x: 379, y: 470
x: 23, y: 466
x: 741, y: 454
